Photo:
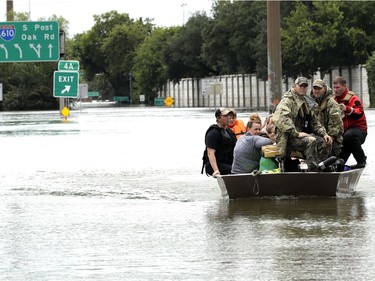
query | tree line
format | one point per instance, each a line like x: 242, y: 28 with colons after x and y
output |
x: 122, y: 56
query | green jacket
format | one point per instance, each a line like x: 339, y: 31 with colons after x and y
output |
x: 330, y: 115
x: 291, y: 115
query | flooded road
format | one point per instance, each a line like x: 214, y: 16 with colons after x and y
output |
x: 117, y: 194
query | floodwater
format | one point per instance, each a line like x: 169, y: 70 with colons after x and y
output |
x: 117, y: 194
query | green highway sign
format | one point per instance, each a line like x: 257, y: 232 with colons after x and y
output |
x: 93, y: 94
x: 65, y: 84
x: 29, y: 41
x: 68, y: 65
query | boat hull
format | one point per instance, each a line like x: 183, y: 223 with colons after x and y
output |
x: 289, y: 184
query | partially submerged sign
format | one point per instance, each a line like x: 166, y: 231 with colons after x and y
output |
x: 65, y: 84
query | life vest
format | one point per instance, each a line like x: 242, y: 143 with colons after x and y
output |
x: 224, y: 152
x: 238, y: 128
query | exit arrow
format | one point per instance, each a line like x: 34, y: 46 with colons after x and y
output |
x: 66, y: 89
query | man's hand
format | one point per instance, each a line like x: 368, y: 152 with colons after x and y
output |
x: 328, y: 139
x: 216, y: 173
x: 342, y: 107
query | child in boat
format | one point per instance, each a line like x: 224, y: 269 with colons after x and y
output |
x: 236, y: 125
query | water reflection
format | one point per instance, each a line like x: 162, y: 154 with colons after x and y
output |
x: 287, y: 238
x: 292, y: 208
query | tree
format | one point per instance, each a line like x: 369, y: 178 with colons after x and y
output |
x: 216, y: 47
x: 150, y: 68
x: 236, y: 39
x: 184, y: 58
x: 119, y: 49
x: 29, y: 87
x: 108, y: 48
x: 318, y: 35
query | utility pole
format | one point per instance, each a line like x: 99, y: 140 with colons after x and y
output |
x: 10, y: 13
x: 274, y: 51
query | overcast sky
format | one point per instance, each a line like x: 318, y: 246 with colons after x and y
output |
x: 80, y: 13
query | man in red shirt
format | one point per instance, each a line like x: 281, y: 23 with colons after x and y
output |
x: 354, y: 119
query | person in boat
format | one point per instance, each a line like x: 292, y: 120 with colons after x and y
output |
x: 247, y: 152
x: 266, y: 130
x: 220, y: 142
x: 298, y: 128
x: 329, y: 113
x: 355, y: 124
x: 254, y: 117
x: 268, y: 127
x: 257, y: 128
x: 236, y: 125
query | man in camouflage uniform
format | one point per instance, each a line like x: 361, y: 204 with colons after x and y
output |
x: 329, y: 114
x: 298, y: 128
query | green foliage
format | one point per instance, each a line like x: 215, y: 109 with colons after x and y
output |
x: 184, y: 58
x: 236, y: 41
x: 320, y: 35
x: 108, y: 49
x: 20, y: 16
x: 150, y: 68
x: 29, y: 86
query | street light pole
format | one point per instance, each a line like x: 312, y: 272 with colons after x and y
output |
x: 29, y: 11
x: 183, y: 5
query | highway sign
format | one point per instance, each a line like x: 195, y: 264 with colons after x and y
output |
x: 65, y: 84
x: 29, y: 41
x: 168, y: 101
x: 93, y: 94
x: 68, y: 65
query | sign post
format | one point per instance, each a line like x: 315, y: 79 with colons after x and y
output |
x: 29, y: 41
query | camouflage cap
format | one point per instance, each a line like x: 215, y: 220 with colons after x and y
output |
x: 222, y: 111
x: 301, y: 80
x: 319, y: 83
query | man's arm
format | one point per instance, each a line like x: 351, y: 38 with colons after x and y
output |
x: 335, y: 125
x: 261, y: 141
x: 212, y: 159
x: 283, y: 119
x: 355, y: 108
